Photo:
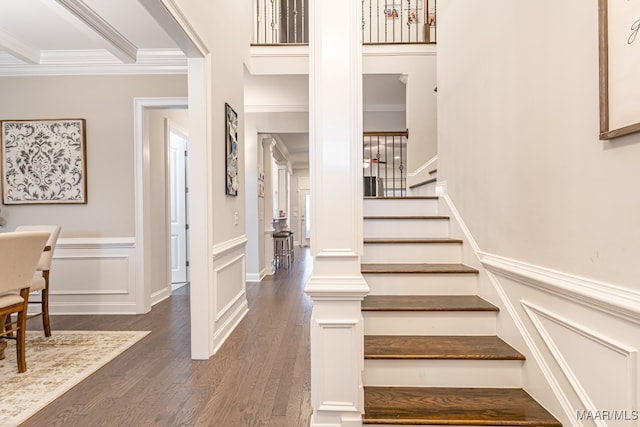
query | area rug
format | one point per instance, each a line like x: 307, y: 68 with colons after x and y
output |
x: 54, y: 365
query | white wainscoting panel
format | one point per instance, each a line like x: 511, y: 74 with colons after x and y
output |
x: 586, y: 346
x: 580, y: 336
x: 341, y: 334
x: 93, y: 275
x: 229, y: 288
x: 616, y: 386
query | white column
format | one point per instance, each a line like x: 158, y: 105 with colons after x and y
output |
x: 336, y: 284
x: 267, y: 164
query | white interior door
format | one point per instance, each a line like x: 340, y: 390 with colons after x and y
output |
x: 305, y: 218
x: 178, y: 206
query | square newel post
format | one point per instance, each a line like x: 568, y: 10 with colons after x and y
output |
x: 336, y: 285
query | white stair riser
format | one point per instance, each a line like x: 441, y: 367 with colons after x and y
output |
x: 443, y: 373
x: 422, y: 284
x: 398, y: 253
x: 429, y: 323
x: 406, y: 228
x: 400, y: 206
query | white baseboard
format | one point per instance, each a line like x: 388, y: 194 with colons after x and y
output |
x: 256, y: 277
x: 225, y: 328
x: 160, y: 295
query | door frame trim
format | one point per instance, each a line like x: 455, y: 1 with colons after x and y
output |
x: 142, y: 174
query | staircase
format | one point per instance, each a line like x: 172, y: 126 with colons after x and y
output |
x: 431, y: 352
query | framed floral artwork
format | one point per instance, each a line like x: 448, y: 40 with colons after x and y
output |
x: 231, y: 143
x: 43, y: 161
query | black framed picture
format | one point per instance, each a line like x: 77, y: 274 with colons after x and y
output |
x: 231, y: 127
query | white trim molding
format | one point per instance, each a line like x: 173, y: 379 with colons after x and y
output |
x: 630, y: 355
x: 95, y: 242
x: 172, y: 20
x: 276, y: 108
x: 142, y: 195
x: 425, y: 167
x: 97, y: 62
x: 221, y: 249
x: 624, y: 303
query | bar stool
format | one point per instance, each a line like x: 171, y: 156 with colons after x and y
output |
x: 282, y: 248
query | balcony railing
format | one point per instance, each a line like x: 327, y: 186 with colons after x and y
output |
x: 384, y: 163
x: 281, y: 22
x: 398, y: 21
x: 383, y: 21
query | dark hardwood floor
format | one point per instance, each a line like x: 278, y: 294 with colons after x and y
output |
x: 260, y: 376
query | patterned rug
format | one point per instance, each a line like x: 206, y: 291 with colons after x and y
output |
x: 54, y: 365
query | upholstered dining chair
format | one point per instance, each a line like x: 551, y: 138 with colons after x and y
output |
x: 19, y: 255
x: 44, y: 266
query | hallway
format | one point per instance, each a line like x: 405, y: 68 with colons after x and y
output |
x: 260, y: 376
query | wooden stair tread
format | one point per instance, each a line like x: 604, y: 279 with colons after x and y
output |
x: 411, y: 240
x: 438, y: 347
x: 442, y: 217
x: 426, y: 303
x: 417, y: 268
x: 454, y: 406
x: 403, y: 198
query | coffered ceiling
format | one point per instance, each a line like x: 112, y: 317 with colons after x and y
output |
x: 42, y: 36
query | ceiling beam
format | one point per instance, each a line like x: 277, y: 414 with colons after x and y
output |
x: 18, y: 48
x: 172, y: 20
x: 117, y: 44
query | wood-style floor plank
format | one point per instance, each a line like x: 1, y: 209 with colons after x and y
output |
x: 260, y: 376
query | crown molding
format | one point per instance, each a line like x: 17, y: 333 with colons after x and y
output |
x: 118, y: 45
x: 96, y: 62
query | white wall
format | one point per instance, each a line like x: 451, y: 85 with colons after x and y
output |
x: 218, y: 280
x: 528, y: 152
x: 94, y: 267
x: 418, y: 63
x: 106, y: 102
x: 551, y: 208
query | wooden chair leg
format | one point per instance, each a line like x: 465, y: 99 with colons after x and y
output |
x: 3, y: 342
x: 45, y: 305
x: 21, y: 352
